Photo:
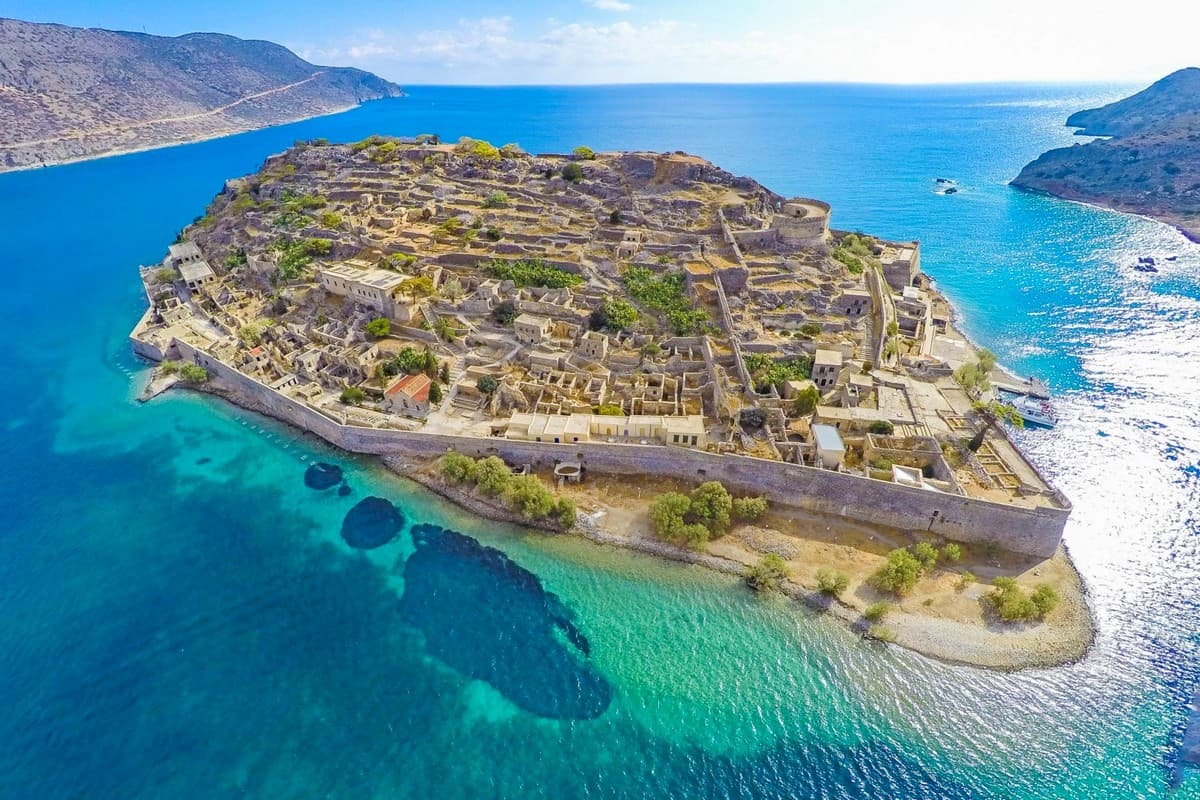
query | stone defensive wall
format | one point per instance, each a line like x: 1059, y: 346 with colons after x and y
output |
x: 1031, y: 531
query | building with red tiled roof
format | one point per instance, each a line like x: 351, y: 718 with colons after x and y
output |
x: 409, y: 396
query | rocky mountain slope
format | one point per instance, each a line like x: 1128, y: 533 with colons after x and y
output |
x: 71, y: 93
x: 1150, y: 166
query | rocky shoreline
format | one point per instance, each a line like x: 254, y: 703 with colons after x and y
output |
x: 1006, y: 648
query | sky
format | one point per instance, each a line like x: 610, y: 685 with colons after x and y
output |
x: 653, y: 41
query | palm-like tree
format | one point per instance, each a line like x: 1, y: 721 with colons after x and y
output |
x: 992, y: 413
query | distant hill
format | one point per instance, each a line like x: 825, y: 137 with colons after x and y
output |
x: 71, y: 93
x: 1150, y: 166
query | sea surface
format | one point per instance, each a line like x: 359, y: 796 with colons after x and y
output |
x: 181, y: 617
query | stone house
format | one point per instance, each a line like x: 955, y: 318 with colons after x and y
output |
x: 532, y: 329
x: 827, y: 365
x: 409, y: 396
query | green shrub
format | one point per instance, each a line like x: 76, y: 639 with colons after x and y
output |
x: 806, y: 401
x: 457, y: 468
x: 572, y: 173
x: 768, y: 574
x: 164, y: 275
x: 379, y: 327
x: 877, y: 611
x: 169, y: 367
x: 881, y: 427
x: 352, y: 395
x: 811, y: 328
x: 583, y: 152
x: 330, y: 220
x: 487, y: 384
x: 667, y: 296
x: 412, y: 362
x: 712, y: 506
x: 882, y: 633
x: 749, y: 508
x: 193, y: 373
x: 564, y: 512
x: 899, y: 575
x: 477, y: 149
x: 492, y: 475
x: 667, y: 512
x: 766, y: 372
x: 832, y: 583
x: 614, y: 315
x: 1011, y: 604
x: 610, y: 410
x: 927, y: 554
x: 505, y: 312
x: 251, y: 334
x: 496, y: 200
x: 951, y: 553
x: 529, y: 496
x: 532, y: 272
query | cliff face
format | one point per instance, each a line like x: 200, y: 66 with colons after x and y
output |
x: 1150, y: 166
x: 69, y: 93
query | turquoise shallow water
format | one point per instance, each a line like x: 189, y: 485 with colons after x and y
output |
x: 179, y: 616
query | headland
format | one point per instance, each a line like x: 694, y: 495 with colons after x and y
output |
x: 619, y: 327
x: 1147, y: 163
x: 71, y: 94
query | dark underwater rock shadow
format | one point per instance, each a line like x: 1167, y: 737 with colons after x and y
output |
x: 371, y: 523
x: 322, y: 476
x: 490, y: 619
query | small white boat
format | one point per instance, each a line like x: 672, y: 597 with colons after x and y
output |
x: 1035, y: 410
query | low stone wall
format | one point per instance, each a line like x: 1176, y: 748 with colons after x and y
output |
x: 1032, y: 531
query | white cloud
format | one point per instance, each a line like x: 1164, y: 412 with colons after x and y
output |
x: 610, y: 5
x: 890, y: 45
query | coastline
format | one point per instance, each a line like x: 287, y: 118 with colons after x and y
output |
x: 127, y: 151
x: 990, y: 646
x: 1192, y: 235
x: 995, y: 647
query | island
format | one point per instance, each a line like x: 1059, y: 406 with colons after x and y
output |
x: 68, y: 94
x: 1148, y: 161
x: 642, y: 348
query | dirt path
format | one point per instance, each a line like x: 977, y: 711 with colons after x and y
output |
x: 110, y: 129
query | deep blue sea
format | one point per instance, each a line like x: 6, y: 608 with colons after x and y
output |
x: 180, y: 617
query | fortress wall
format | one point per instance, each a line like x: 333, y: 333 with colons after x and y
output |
x: 1035, y: 532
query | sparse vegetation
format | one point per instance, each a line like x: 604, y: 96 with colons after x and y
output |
x: 251, y: 334
x: 877, y: 611
x: 806, y: 401
x: 614, y: 315
x: 505, y: 312
x: 899, y: 574
x: 378, y: 327
x: 881, y: 633
x: 532, y: 272
x: 831, y: 582
x: 668, y: 296
x: 856, y: 252
x: 193, y: 373
x: 705, y: 513
x: 1012, y: 604
x: 496, y: 200
x: 766, y: 372
x: 525, y: 494
x: 749, y: 509
x: 477, y: 150
x: 768, y: 574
